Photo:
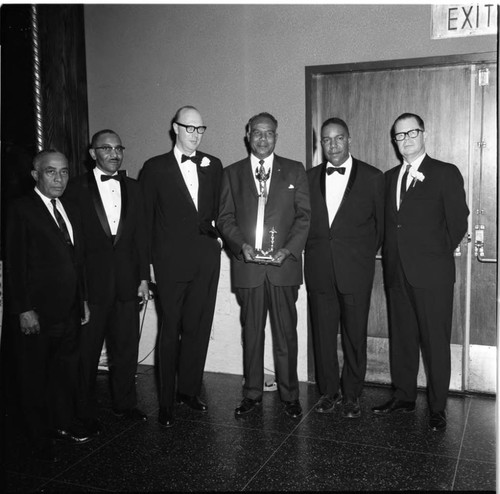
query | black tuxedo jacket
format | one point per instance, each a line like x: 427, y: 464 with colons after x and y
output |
x: 287, y: 209
x: 114, y: 267
x: 346, y: 249
x: 180, y: 235
x: 43, y: 273
x: 429, y: 225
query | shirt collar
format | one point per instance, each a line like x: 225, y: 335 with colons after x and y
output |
x: 415, y: 163
x: 46, y: 200
x: 268, y: 162
x: 178, y: 154
x: 98, y: 173
x: 347, y: 164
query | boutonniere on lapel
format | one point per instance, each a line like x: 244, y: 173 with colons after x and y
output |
x: 205, y: 162
x: 416, y: 176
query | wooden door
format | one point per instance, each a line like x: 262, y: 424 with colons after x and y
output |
x: 445, y: 93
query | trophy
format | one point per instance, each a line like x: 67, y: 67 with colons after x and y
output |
x: 263, y: 256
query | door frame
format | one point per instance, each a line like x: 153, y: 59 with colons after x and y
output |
x: 313, y: 72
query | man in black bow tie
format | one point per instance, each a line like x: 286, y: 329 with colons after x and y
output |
x: 347, y: 202
x: 181, y: 190
x: 117, y: 267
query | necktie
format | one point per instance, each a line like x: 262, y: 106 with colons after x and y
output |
x: 332, y: 169
x: 62, y: 224
x: 104, y: 178
x: 263, y: 179
x: 195, y: 159
x: 402, y: 190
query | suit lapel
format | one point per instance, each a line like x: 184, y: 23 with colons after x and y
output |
x: 47, y: 217
x: 348, y: 188
x: 178, y: 179
x: 124, y: 207
x: 393, y: 186
x: 98, y: 204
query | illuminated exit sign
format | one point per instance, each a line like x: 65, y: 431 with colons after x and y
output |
x: 454, y: 21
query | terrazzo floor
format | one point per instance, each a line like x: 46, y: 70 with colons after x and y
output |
x: 267, y: 451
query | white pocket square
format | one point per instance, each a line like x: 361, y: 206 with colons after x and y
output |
x: 291, y: 186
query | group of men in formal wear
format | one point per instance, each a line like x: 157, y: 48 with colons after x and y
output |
x: 82, y: 255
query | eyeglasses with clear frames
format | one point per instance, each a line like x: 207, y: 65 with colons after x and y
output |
x: 191, y: 128
x: 401, y: 136
x: 108, y: 149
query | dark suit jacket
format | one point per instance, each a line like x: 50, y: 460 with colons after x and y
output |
x: 287, y: 209
x: 348, y: 246
x: 429, y: 225
x: 180, y: 235
x: 43, y: 273
x: 114, y: 268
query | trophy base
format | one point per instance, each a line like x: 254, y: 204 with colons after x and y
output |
x: 265, y: 259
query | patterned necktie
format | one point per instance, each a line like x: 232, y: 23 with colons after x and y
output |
x: 62, y: 224
x: 262, y: 183
x: 402, y: 190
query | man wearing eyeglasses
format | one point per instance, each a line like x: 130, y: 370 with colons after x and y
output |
x: 181, y: 189
x: 425, y: 219
x: 117, y: 268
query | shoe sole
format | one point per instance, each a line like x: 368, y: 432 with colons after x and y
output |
x: 242, y: 414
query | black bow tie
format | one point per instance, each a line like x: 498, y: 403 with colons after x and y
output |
x: 332, y: 169
x: 105, y: 178
x: 195, y: 159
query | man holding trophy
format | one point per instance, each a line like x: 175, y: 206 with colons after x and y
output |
x: 264, y: 218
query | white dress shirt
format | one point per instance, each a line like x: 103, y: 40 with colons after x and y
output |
x: 189, y: 174
x: 46, y: 200
x: 335, y: 185
x: 111, y: 196
x: 414, y: 166
x: 268, y: 166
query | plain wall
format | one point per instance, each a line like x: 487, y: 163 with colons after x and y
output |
x: 232, y: 61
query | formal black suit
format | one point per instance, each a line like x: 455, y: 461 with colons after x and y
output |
x: 185, y: 254
x: 266, y: 287
x: 115, y: 266
x: 339, y: 269
x: 419, y: 269
x: 45, y: 274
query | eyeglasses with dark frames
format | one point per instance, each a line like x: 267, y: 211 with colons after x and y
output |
x: 191, y: 128
x: 401, y: 136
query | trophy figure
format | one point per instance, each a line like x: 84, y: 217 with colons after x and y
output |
x: 263, y: 256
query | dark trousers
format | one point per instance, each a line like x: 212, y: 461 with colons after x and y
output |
x: 48, y: 376
x: 187, y: 314
x: 328, y: 310
x: 420, y: 318
x: 118, y: 325
x: 255, y: 304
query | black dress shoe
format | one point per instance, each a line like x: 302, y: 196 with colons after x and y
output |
x: 437, y: 421
x: 293, y: 408
x: 166, y: 417
x: 193, y: 402
x: 327, y: 403
x: 351, y: 408
x: 247, y: 405
x: 394, y: 405
x: 132, y: 414
x: 72, y: 436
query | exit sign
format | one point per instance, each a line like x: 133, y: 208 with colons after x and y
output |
x: 454, y: 21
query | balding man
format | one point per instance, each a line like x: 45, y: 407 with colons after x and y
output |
x: 181, y: 190
x: 44, y: 276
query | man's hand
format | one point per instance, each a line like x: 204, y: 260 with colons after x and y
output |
x: 29, y: 322
x: 280, y: 255
x: 86, y: 313
x: 144, y: 292
x: 248, y: 252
